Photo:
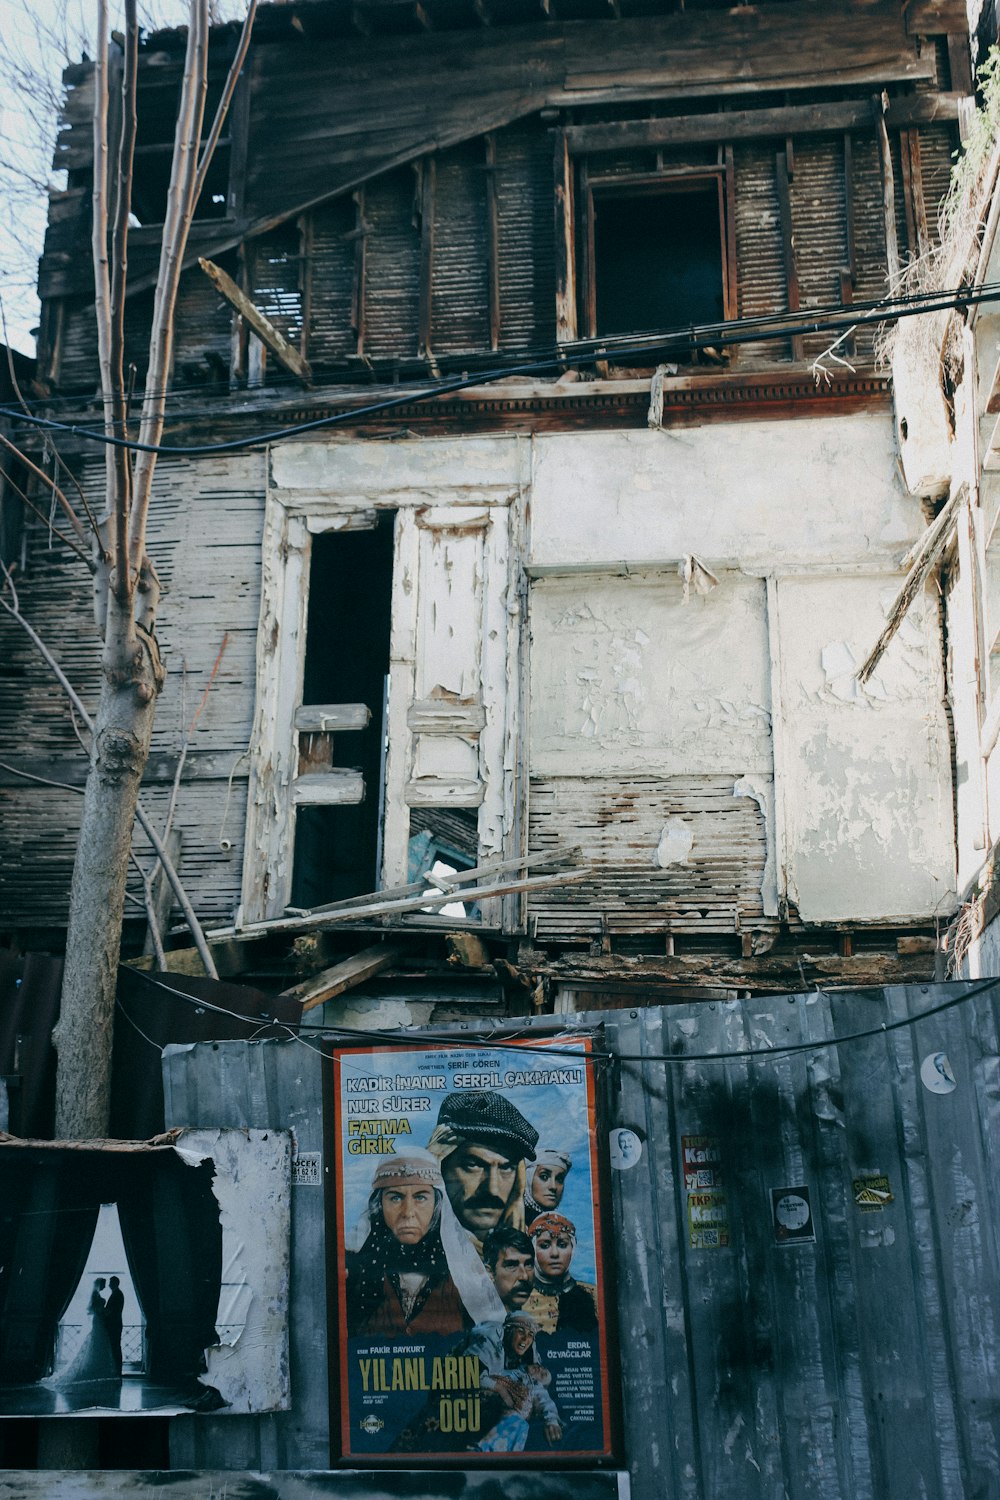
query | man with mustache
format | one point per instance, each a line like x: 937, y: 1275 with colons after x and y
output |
x: 510, y: 1260
x: 482, y: 1143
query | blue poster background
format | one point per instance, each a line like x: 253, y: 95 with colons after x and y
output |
x: 422, y: 1394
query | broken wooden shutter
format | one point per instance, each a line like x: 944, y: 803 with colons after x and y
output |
x: 448, y: 695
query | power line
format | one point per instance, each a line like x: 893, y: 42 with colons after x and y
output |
x: 566, y: 356
x: 393, y: 1038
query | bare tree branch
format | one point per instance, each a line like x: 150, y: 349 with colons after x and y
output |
x: 13, y: 608
x: 99, y: 237
x: 87, y: 561
x: 119, y: 272
x: 71, y: 514
x: 177, y: 222
x: 232, y: 78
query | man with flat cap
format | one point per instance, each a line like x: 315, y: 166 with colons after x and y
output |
x: 482, y: 1143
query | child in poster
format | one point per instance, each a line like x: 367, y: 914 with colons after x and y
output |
x: 438, y: 1149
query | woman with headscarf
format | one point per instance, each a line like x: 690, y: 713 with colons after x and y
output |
x: 559, y: 1303
x: 410, y: 1267
x: 546, y: 1183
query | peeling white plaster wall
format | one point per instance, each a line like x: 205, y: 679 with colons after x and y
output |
x: 626, y: 676
x: 867, y: 791
x: 252, y: 1183
x: 816, y: 491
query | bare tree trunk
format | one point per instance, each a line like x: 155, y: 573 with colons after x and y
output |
x: 127, y: 585
x: 123, y: 727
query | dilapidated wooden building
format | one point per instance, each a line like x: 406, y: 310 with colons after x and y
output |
x: 552, y: 515
x: 553, y: 623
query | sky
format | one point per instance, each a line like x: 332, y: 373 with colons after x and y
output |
x: 39, y: 38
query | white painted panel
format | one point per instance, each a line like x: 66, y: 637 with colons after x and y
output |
x: 397, y: 473
x: 627, y: 676
x: 450, y: 605
x: 817, y: 491
x: 867, y: 798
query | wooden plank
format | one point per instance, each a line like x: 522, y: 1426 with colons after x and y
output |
x: 343, y: 976
x: 388, y: 909
x: 565, y: 232
x: 788, y: 246
x: 439, y: 716
x: 888, y: 192
x: 757, y: 124
x: 492, y: 239
x: 960, y: 62
x: 358, y: 288
x: 732, y: 300
x: 925, y: 555
x: 426, y: 191
x: 327, y: 718
x: 262, y: 326
x: 588, y: 267
x: 270, y: 829
x: 916, y: 210
x: 338, y: 787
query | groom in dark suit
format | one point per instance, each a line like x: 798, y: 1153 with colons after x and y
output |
x: 113, y: 1309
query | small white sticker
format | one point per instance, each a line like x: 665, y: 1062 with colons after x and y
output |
x: 936, y: 1074
x: 626, y: 1149
x: 306, y: 1169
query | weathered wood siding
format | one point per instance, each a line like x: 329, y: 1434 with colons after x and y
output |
x: 860, y: 1365
x: 622, y: 823
x: 204, y: 536
x: 319, y: 291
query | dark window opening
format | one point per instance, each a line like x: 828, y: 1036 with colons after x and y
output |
x: 337, y: 846
x: 658, y: 260
x: 154, y: 149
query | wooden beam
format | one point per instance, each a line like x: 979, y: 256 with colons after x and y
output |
x: 332, y: 718
x: 492, y: 238
x: 732, y: 301
x: 888, y: 191
x: 758, y: 124
x: 564, y: 242
x: 435, y: 893
x: 343, y: 976
x: 427, y: 168
x: 960, y: 62
x: 788, y: 245
x: 913, y: 192
x: 924, y: 557
x: 358, y: 287
x: 262, y: 326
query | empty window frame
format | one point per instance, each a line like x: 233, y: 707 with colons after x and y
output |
x: 658, y: 251
x: 158, y: 98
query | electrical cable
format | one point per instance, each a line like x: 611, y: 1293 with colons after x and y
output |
x: 786, y: 322
x: 567, y: 356
x: 387, y: 1038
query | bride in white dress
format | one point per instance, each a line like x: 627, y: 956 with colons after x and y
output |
x: 94, y: 1360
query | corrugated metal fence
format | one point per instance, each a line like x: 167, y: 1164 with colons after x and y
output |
x: 809, y: 1311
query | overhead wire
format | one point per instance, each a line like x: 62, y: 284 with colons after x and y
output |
x: 506, y: 1043
x: 565, y: 356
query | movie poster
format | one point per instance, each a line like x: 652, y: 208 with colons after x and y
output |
x: 471, y: 1302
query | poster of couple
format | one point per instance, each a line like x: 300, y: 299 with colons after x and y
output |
x: 99, y: 1357
x: 469, y: 1271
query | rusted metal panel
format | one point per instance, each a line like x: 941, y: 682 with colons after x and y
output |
x: 852, y: 1359
x: 712, y: 845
